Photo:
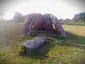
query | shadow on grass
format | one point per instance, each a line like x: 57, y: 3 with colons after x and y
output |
x: 41, y: 54
x: 74, y: 40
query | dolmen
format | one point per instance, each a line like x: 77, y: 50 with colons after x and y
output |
x: 37, y: 21
x: 34, y: 44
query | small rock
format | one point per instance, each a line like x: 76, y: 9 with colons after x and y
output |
x: 58, y: 42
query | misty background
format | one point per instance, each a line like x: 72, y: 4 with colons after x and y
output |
x: 61, y: 8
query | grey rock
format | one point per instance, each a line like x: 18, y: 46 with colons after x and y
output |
x: 48, y: 22
x: 35, y: 43
x: 58, y: 27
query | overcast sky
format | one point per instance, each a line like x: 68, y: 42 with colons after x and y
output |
x: 59, y: 8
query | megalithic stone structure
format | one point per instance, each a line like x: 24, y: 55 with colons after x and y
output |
x: 36, y: 21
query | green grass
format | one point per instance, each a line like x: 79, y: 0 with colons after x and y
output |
x: 71, y: 51
x: 77, y: 23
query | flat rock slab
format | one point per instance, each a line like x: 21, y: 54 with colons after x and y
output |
x: 35, y: 43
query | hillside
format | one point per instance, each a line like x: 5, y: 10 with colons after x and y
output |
x: 71, y: 51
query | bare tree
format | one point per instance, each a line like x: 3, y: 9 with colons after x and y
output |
x: 2, y: 11
x: 18, y: 17
x: 1, y: 15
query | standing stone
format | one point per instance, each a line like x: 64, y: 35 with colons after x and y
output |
x: 58, y: 26
x: 48, y: 22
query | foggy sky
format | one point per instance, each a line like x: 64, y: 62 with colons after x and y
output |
x: 78, y: 4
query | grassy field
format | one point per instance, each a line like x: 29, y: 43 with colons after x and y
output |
x: 71, y: 51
